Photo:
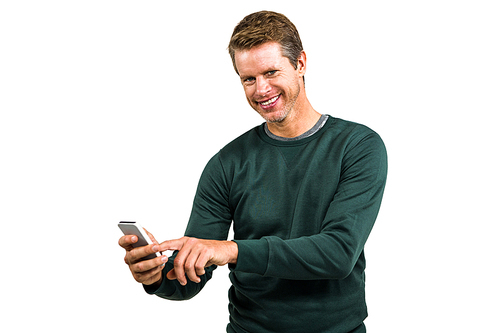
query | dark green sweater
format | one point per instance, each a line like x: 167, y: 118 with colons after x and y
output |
x: 301, y: 212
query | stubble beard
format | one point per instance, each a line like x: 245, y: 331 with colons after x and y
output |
x: 283, y: 114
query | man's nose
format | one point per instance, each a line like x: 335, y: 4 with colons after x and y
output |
x: 263, y: 87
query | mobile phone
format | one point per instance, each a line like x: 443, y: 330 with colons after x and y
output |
x: 133, y: 228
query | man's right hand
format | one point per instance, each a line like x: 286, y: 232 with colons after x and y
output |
x: 147, y: 272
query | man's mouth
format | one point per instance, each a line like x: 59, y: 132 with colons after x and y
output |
x: 269, y: 101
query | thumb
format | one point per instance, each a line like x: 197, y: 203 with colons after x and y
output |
x: 171, y: 275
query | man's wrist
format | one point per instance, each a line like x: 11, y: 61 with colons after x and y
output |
x: 155, y: 285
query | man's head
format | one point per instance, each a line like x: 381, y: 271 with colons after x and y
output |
x: 263, y: 27
x: 267, y: 55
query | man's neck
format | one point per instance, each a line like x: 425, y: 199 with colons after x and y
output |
x: 318, y: 126
x: 296, y: 123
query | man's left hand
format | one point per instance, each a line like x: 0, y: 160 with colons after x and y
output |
x: 196, y: 254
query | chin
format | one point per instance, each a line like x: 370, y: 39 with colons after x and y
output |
x: 273, y: 117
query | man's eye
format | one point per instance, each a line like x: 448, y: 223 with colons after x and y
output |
x: 271, y: 72
x: 249, y: 80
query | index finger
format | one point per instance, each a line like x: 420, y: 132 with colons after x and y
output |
x: 172, y: 245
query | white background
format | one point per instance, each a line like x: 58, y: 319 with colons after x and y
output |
x: 110, y: 110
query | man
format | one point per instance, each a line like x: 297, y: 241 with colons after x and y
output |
x: 302, y: 191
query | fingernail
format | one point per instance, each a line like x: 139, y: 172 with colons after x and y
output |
x: 164, y: 258
x: 155, y: 248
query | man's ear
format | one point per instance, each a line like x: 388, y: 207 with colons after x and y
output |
x: 301, y: 63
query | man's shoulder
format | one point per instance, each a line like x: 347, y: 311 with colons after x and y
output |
x: 243, y: 142
x: 359, y: 140
x: 350, y: 130
x: 350, y: 126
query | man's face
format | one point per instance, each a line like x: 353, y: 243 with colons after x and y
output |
x: 271, y: 84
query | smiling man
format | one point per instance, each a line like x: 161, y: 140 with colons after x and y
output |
x: 302, y: 192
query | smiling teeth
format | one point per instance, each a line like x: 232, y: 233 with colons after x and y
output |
x: 272, y: 100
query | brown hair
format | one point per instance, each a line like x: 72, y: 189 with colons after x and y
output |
x: 262, y: 27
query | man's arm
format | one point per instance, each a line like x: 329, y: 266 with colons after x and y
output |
x: 335, y: 250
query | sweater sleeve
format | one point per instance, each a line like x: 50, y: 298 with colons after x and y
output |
x: 334, y: 251
x: 173, y: 290
x: 210, y: 219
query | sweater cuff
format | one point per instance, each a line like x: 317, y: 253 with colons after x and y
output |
x: 166, y: 288
x: 253, y: 256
